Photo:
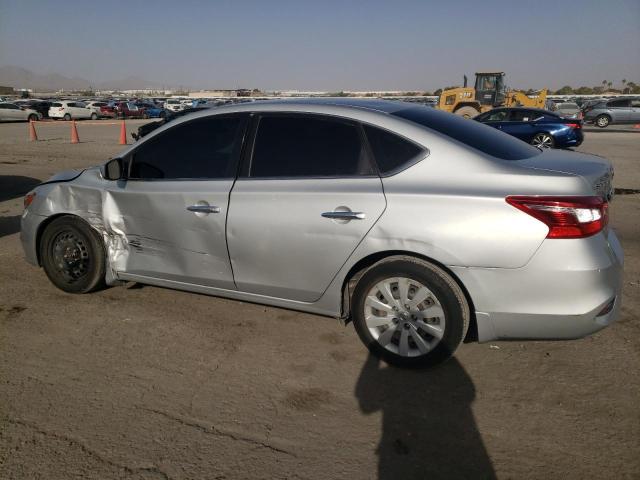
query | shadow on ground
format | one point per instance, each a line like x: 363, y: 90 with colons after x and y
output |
x: 13, y: 186
x: 428, y: 428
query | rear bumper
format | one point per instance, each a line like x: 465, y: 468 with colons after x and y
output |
x: 559, y: 294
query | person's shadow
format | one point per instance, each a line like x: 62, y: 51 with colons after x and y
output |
x: 428, y: 429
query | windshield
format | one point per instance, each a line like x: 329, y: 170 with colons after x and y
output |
x: 474, y: 134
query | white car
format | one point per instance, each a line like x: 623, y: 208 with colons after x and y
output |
x: 174, y: 104
x: 95, y: 106
x: 10, y: 112
x: 71, y: 110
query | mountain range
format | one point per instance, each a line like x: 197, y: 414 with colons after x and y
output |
x: 18, y: 77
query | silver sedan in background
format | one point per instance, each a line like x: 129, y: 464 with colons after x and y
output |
x: 422, y: 228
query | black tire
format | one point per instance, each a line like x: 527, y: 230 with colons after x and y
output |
x: 145, y: 116
x: 162, y: 115
x: 72, y: 255
x: 94, y: 116
x: 602, y: 121
x: 448, y: 293
x: 66, y: 117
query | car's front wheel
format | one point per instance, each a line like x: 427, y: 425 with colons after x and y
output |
x: 72, y: 255
x: 409, y: 312
x: 67, y: 117
x: 94, y: 116
x: 603, y: 121
x: 33, y: 117
x: 543, y: 140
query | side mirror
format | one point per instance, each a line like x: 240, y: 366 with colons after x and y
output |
x: 113, y: 169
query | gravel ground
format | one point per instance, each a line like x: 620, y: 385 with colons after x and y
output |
x: 140, y: 382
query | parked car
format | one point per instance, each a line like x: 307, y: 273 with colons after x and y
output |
x: 617, y: 111
x: 540, y: 128
x: 10, y: 112
x: 146, y: 128
x: 128, y: 110
x: 174, y: 105
x: 69, y: 110
x: 355, y: 209
x: 568, y: 110
x: 96, y: 106
x: 152, y: 111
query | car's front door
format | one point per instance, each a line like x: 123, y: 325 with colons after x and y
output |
x: 172, y: 209
x: 306, y: 198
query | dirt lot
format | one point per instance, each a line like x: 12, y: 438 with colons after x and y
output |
x: 143, y: 382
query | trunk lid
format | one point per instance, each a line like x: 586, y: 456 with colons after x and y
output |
x: 596, y: 171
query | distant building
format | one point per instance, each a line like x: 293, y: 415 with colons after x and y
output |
x: 213, y: 93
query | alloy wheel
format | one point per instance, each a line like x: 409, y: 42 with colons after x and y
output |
x: 542, y: 140
x: 404, y: 316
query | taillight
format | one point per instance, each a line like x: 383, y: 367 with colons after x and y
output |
x: 28, y: 198
x: 573, y: 125
x: 566, y: 217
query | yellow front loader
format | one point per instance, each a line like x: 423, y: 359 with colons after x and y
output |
x: 489, y: 92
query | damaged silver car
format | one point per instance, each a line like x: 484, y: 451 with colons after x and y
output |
x: 421, y: 227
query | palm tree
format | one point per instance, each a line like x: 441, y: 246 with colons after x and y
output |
x: 609, y: 84
x: 624, y: 85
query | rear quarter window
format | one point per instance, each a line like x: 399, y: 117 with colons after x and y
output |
x: 476, y: 135
x: 391, y: 152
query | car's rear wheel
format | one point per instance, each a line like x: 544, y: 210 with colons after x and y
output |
x: 67, y: 117
x: 94, y: 116
x: 543, y: 140
x: 33, y: 117
x: 72, y: 255
x: 409, y: 312
x: 603, y: 121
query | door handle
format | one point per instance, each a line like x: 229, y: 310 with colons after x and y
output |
x: 203, y: 209
x: 345, y: 215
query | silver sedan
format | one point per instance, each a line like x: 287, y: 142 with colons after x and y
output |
x: 420, y: 227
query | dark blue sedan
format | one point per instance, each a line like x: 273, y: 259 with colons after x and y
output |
x: 541, y: 128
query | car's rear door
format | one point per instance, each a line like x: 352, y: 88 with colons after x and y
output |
x: 306, y: 197
x: 172, y: 209
x: 520, y: 124
x: 634, y: 115
x: 620, y: 110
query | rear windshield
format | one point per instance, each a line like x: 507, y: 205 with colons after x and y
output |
x: 474, y: 134
x: 56, y: 104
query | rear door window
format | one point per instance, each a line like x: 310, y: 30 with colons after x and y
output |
x: 522, y: 116
x: 200, y: 149
x: 619, y: 103
x: 391, y: 152
x: 311, y: 146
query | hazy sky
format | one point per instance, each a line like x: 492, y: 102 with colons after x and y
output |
x: 326, y: 45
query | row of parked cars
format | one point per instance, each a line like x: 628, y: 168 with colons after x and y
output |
x: 36, y: 109
x: 602, y: 112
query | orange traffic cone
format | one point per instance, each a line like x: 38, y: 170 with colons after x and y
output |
x: 33, y: 136
x: 123, y: 134
x: 74, y: 132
